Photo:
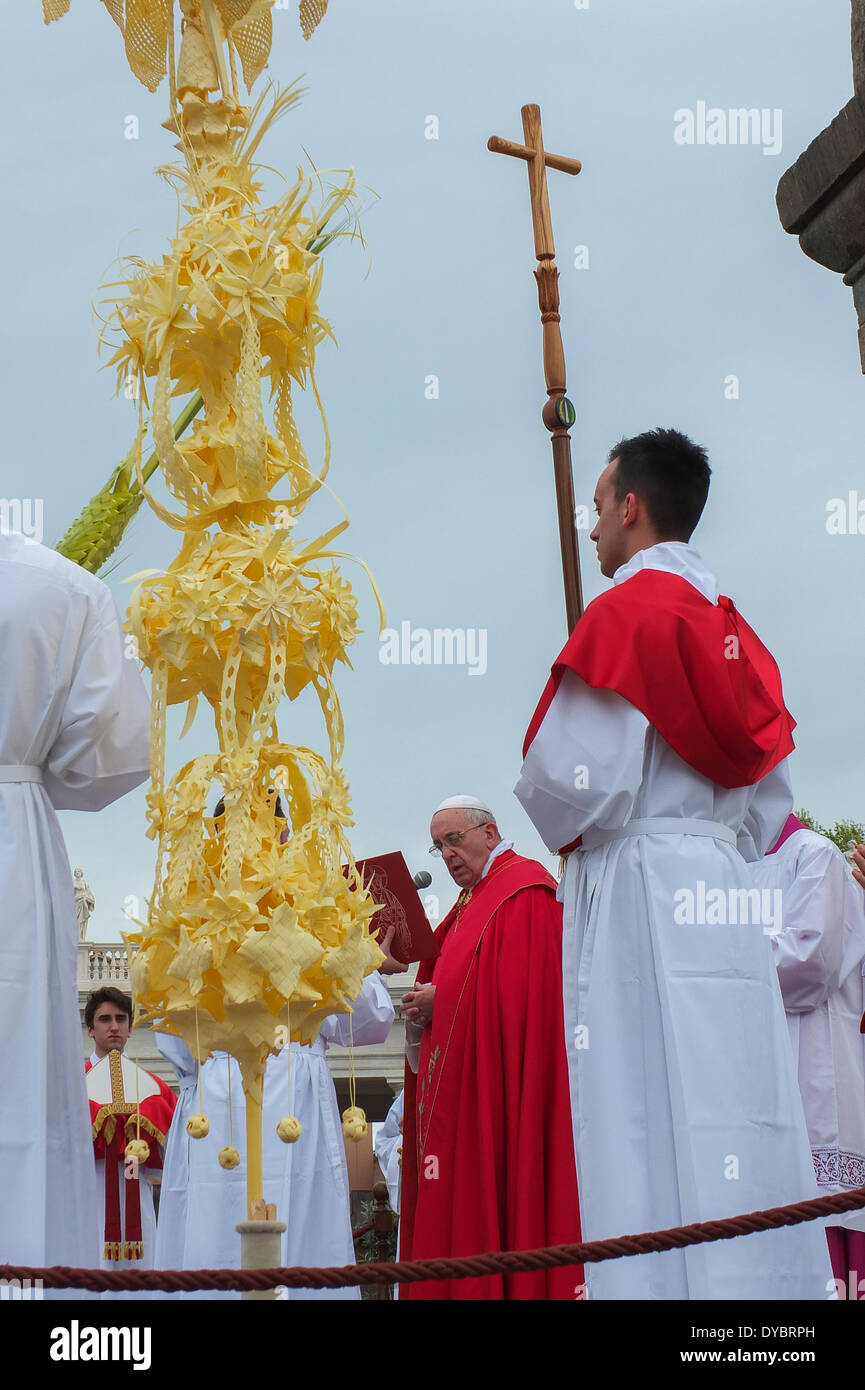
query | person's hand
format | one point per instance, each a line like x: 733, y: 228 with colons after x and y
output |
x: 418, y: 1005
x: 390, y: 965
x: 858, y: 865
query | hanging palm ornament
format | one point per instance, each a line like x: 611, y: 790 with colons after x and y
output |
x: 244, y: 933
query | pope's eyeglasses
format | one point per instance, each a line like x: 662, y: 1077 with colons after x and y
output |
x: 451, y: 841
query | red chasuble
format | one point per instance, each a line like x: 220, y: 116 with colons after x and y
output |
x: 112, y: 1127
x: 488, y: 1155
x: 695, y: 669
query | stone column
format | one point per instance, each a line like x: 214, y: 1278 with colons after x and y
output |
x: 821, y: 198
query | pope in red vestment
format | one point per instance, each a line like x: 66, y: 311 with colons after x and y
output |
x: 488, y: 1157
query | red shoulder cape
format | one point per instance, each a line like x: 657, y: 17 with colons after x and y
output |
x: 112, y: 1126
x: 488, y: 1158
x: 695, y: 669
x: 152, y: 1118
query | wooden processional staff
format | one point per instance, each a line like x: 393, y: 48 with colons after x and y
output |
x: 558, y: 413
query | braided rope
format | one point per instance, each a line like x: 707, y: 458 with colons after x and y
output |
x: 416, y: 1271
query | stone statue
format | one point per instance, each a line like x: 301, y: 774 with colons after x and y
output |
x: 84, y: 902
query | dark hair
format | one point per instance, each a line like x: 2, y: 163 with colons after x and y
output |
x: 669, y: 473
x: 107, y: 995
x: 219, y: 809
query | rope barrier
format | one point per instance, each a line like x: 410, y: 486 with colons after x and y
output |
x: 416, y: 1271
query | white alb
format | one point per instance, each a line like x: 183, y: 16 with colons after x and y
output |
x: 684, y: 1097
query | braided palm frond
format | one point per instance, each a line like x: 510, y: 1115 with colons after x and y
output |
x: 98, y: 530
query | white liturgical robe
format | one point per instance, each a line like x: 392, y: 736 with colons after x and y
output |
x: 819, y: 951
x: 683, y: 1090
x: 388, y: 1143
x: 201, y: 1203
x: 74, y: 734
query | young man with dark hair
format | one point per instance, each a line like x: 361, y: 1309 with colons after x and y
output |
x: 109, y: 1028
x: 127, y: 1104
x: 657, y: 761
x: 669, y: 473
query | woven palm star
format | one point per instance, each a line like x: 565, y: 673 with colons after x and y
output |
x: 353, y: 959
x: 284, y: 952
x: 230, y: 911
x: 193, y: 958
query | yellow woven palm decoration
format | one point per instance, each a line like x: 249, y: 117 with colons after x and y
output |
x: 312, y: 12
x: 243, y: 931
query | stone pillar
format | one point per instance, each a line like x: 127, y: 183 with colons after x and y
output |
x: 821, y: 198
x: 857, y: 46
x: 260, y: 1248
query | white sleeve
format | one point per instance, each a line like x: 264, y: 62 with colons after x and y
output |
x: 809, y: 948
x: 390, y: 1130
x: 371, y: 1019
x: 853, y: 957
x: 767, y: 811
x: 102, y: 749
x: 413, y: 1040
x: 175, y: 1051
x: 387, y: 1144
x: 585, y: 764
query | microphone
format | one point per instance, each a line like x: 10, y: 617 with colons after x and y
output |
x: 422, y: 880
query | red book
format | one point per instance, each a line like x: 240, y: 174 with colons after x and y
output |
x: 388, y: 879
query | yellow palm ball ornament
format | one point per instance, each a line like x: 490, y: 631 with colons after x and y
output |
x: 241, y: 928
x: 138, y: 1149
x: 289, y: 1129
x: 354, y: 1124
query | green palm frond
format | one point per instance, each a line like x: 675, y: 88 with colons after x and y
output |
x: 98, y: 530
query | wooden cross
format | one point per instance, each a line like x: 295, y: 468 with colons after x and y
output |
x: 558, y: 413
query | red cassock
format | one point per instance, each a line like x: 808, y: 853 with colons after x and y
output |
x: 112, y: 1127
x: 488, y: 1155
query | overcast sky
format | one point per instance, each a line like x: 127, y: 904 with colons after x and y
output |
x: 686, y: 282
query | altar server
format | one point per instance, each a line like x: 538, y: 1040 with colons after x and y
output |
x: 129, y: 1227
x: 74, y: 734
x: 818, y: 947
x: 657, y: 758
